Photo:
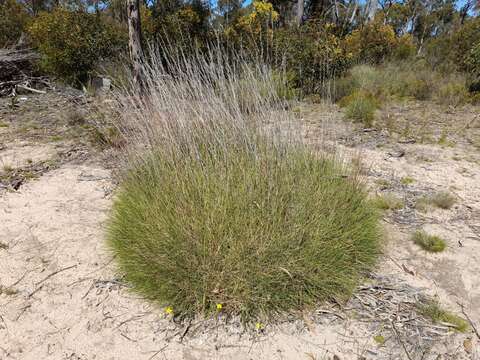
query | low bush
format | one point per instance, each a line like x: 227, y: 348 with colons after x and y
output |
x: 473, y: 68
x: 360, y: 107
x: 72, y: 43
x: 453, y: 94
x: 313, y: 54
x: 430, y: 243
x: 222, y: 215
x: 404, y: 80
x: 376, y: 42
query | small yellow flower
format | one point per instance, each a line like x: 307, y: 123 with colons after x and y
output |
x: 219, y: 307
x: 169, y: 310
x: 259, y: 326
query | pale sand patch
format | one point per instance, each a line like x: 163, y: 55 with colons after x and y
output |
x: 17, y: 155
x: 70, y: 304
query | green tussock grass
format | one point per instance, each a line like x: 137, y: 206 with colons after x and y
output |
x: 430, y: 243
x: 260, y: 233
x: 379, y: 339
x: 441, y: 199
x: 360, y: 107
x: 407, y: 180
x: 388, y: 202
x: 433, y: 311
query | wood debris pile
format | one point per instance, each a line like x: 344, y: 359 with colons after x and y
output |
x: 17, y: 72
x: 390, y: 307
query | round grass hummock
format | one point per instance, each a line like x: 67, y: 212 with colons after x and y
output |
x: 253, y: 233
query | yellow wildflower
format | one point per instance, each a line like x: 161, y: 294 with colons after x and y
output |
x: 219, y: 307
x: 169, y: 310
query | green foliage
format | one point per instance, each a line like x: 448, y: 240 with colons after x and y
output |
x: 312, y: 53
x: 407, y: 180
x: 13, y: 19
x: 473, y: 67
x: 183, y: 25
x: 379, y: 339
x: 260, y: 231
x: 72, y: 43
x: 433, y: 311
x: 360, y: 107
x: 451, y: 51
x: 430, y: 243
x: 376, y: 42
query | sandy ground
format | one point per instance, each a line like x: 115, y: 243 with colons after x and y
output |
x: 60, y: 297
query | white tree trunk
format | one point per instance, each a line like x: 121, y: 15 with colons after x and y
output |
x: 371, y: 9
x: 300, y: 11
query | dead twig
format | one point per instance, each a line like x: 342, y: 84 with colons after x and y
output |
x: 55, y: 273
x: 475, y: 330
x: 401, y: 341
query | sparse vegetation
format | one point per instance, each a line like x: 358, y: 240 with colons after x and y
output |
x: 441, y: 199
x: 360, y: 107
x: 405, y: 80
x: 388, y: 201
x: 407, y: 180
x: 433, y: 311
x: 379, y: 339
x: 8, y: 291
x: 7, y: 168
x: 383, y: 184
x: 430, y: 243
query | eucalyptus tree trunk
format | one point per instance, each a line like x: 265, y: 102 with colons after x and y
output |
x: 135, y: 41
x: 300, y: 11
x: 371, y: 10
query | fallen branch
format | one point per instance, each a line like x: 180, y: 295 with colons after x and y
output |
x: 24, y: 87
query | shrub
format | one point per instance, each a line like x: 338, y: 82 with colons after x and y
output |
x: 430, y: 243
x: 312, y: 53
x: 410, y: 79
x: 433, y: 311
x: 13, y: 19
x: 360, y: 107
x: 473, y: 68
x: 450, y: 52
x: 376, y: 42
x: 404, y: 48
x: 220, y: 210
x: 452, y: 94
x: 72, y: 43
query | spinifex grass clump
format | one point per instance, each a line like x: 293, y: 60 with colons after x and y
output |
x: 221, y: 211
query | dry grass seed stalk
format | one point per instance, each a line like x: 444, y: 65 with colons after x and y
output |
x: 222, y: 204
